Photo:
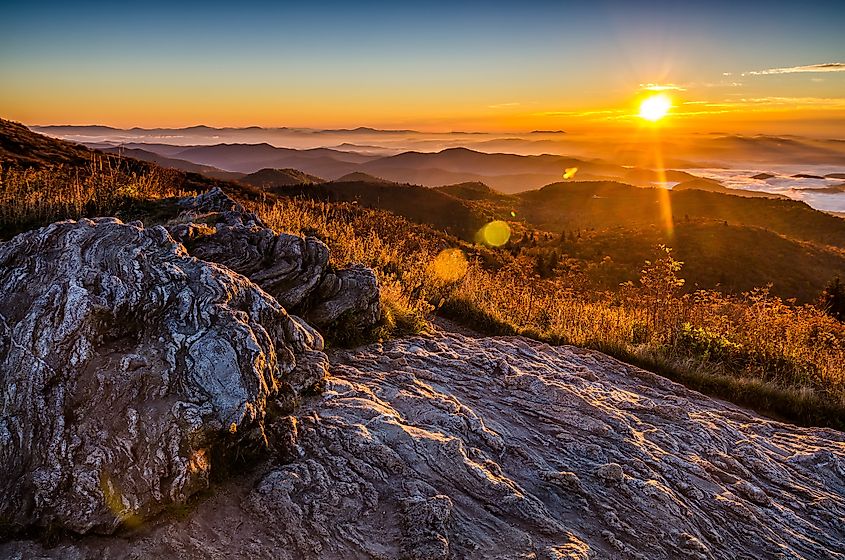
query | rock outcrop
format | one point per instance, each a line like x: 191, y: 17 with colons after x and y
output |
x: 448, y: 447
x: 295, y: 270
x: 128, y: 369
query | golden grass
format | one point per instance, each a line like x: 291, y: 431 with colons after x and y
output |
x: 30, y: 197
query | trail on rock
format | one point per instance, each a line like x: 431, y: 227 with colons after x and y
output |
x: 453, y: 447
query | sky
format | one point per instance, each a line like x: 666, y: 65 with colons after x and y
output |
x: 752, y: 67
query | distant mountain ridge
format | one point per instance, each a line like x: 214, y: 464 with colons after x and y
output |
x: 707, y: 150
x: 505, y: 172
x: 173, y: 163
x: 269, y: 178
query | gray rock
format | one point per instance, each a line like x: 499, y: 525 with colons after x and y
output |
x: 351, y: 294
x: 293, y: 269
x: 127, y: 369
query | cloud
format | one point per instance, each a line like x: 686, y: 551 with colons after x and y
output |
x: 575, y: 113
x: 826, y: 67
x: 804, y: 101
x: 661, y: 87
x: 504, y: 105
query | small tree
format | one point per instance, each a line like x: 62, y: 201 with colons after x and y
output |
x: 660, y: 283
x: 832, y: 299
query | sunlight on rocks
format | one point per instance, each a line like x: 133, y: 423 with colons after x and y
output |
x: 117, y: 503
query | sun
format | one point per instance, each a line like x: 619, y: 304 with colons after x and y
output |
x: 655, y: 107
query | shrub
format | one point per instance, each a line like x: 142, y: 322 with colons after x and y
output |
x: 832, y: 299
x: 707, y: 345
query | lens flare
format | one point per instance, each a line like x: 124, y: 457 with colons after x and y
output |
x: 570, y: 172
x: 449, y: 266
x: 495, y: 234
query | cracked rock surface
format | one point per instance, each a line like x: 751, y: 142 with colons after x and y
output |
x: 293, y: 269
x: 128, y: 370
x: 450, y: 446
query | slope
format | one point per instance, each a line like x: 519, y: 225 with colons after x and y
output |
x: 601, y: 205
x: 418, y: 204
x: 269, y: 178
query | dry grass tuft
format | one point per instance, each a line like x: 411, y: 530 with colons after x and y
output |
x: 31, y: 197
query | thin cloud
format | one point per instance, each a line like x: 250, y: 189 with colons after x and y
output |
x: 575, y: 113
x: 804, y: 101
x: 661, y: 87
x: 504, y: 105
x: 826, y: 67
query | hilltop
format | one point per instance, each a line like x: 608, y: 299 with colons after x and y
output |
x: 418, y: 204
x: 269, y: 178
x: 473, y: 191
x: 19, y: 146
x: 361, y: 177
x: 710, y: 185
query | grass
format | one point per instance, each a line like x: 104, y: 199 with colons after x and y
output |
x: 734, y: 257
x: 31, y: 197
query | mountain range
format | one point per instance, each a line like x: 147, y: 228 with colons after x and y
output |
x: 508, y: 173
x: 732, y: 239
x: 678, y: 151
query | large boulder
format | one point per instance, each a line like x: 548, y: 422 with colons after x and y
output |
x: 295, y: 270
x: 350, y: 294
x: 128, y: 370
